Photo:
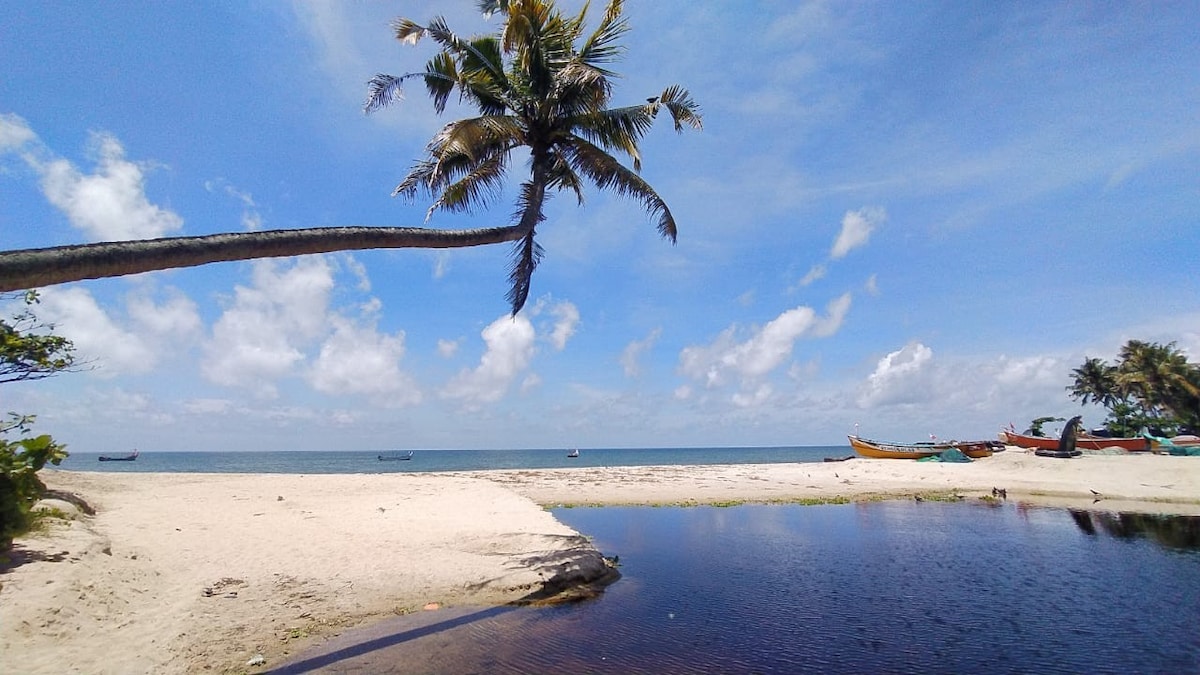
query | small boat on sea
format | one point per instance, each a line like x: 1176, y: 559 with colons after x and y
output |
x: 881, y: 450
x: 119, y: 458
x: 395, y: 458
x: 1083, y: 441
x: 573, y: 453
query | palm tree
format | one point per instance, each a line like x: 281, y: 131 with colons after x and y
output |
x: 1095, y: 382
x: 541, y: 86
x: 534, y: 88
x: 1161, y: 378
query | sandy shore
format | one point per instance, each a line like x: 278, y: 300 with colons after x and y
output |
x: 179, y: 573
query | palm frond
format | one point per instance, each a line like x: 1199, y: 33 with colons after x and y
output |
x: 609, y: 174
x: 683, y: 109
x: 407, y: 31
x: 476, y: 189
x: 601, y: 46
x: 440, y: 78
x: 562, y: 177
x: 527, y: 254
x: 382, y: 91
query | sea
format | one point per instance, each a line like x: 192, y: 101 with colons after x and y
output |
x: 877, y: 587
x: 443, y: 460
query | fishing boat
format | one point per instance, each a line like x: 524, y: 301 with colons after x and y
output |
x: 881, y: 450
x: 573, y: 453
x: 1083, y: 441
x: 119, y: 458
x: 395, y: 458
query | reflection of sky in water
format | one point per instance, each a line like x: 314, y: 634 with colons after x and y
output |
x: 892, y: 586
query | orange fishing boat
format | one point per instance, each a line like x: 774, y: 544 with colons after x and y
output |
x: 1082, y: 441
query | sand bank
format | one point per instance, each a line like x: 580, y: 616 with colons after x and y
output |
x: 1133, y: 482
x: 202, y: 572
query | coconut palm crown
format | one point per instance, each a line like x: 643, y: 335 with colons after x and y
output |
x: 539, y: 85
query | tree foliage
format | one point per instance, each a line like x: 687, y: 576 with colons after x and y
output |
x: 541, y: 86
x: 26, y: 353
x: 1151, y: 385
x: 20, y: 487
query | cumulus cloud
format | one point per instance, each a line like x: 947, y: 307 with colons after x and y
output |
x: 258, y: 339
x: 856, y: 229
x: 357, y: 359
x: 109, y: 204
x: 97, y: 337
x: 633, y: 351
x: 133, y: 343
x: 510, y: 349
x: 565, y: 320
x: 902, y: 376
x: 763, y: 351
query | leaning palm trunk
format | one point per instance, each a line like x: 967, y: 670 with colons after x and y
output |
x: 32, y: 268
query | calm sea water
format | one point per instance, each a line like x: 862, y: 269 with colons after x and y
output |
x: 894, y: 587
x: 443, y: 460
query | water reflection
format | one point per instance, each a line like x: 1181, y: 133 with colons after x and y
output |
x: 1173, y: 532
x: 883, y: 587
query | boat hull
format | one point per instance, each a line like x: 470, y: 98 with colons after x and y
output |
x: 1083, y: 442
x: 878, y: 450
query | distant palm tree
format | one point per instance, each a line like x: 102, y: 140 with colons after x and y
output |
x: 1095, y: 382
x: 534, y: 88
x: 540, y: 86
x: 1161, y: 378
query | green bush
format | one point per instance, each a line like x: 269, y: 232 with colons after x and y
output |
x: 20, y: 487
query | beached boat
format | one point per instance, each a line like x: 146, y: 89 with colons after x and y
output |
x: 1083, y: 441
x: 119, y: 458
x: 879, y: 450
x: 573, y: 453
x: 395, y: 458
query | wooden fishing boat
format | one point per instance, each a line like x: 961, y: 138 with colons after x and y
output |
x: 119, y: 458
x: 880, y: 450
x: 1083, y: 441
x: 396, y: 458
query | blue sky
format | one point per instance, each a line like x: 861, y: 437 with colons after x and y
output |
x: 915, y: 218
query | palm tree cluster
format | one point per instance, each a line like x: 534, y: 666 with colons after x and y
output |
x: 1151, y: 385
x: 539, y: 85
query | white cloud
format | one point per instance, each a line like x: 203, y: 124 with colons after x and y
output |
x: 872, y: 285
x: 259, y: 338
x: 510, y: 349
x: 903, y: 376
x: 817, y: 272
x: 763, y: 351
x: 567, y: 319
x: 856, y: 229
x: 111, y: 203
x: 176, y: 319
x: 634, y: 350
x: 447, y: 348
x: 98, y: 339
x: 14, y: 132
x: 356, y: 359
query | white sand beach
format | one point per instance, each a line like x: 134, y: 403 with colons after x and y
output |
x: 185, y: 573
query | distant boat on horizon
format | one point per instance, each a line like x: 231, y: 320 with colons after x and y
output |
x: 573, y: 453
x: 381, y: 458
x: 119, y: 458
